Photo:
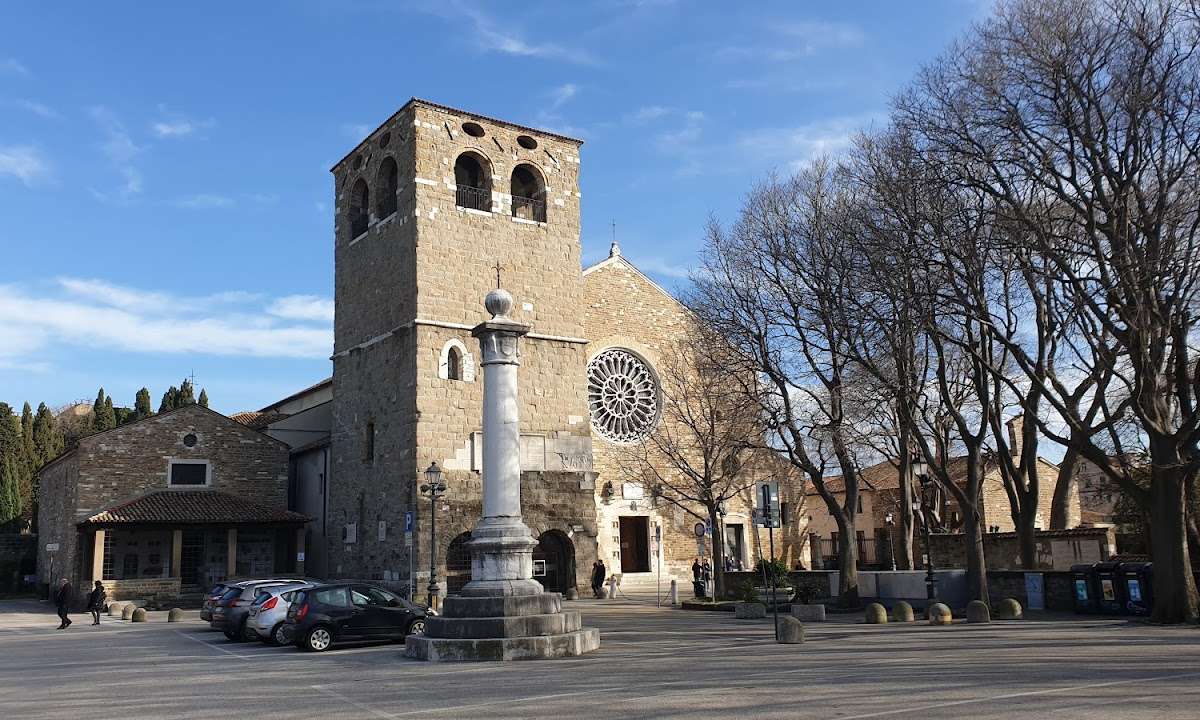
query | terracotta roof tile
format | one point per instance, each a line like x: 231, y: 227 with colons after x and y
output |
x: 257, y: 420
x: 192, y: 507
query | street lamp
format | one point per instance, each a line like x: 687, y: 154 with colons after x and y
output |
x: 890, y: 521
x: 921, y: 471
x: 434, y: 488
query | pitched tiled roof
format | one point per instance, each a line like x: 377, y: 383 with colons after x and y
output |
x: 257, y: 420
x: 192, y: 507
x: 886, y: 476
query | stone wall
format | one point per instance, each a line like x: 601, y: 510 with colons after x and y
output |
x: 141, y: 589
x: 18, y: 558
x: 1056, y: 549
x: 1057, y: 588
x: 996, y: 509
x: 57, y: 492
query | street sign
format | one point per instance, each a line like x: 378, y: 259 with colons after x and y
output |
x: 767, y: 501
x: 408, y: 521
x: 300, y: 556
x: 700, y: 529
x: 51, y: 547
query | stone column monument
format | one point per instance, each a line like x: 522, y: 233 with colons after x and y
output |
x: 503, y: 613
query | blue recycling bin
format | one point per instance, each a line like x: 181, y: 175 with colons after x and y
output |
x: 1110, y: 588
x: 1137, y: 585
x: 1084, y: 589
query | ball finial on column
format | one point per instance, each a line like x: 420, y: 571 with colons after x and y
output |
x: 498, y: 302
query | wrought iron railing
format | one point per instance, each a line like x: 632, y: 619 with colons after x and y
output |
x: 529, y: 208
x: 473, y: 198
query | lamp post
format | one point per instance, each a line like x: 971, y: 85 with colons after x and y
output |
x: 921, y: 470
x: 434, y: 488
x: 890, y: 521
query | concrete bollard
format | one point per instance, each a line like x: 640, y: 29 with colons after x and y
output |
x: 612, y: 588
x: 673, y: 595
x: 571, y: 594
x: 138, y: 615
x: 115, y: 608
x: 791, y: 631
x: 808, y: 613
x: 749, y: 611
x: 978, y: 612
x: 876, y: 614
x: 127, y: 611
x: 939, y: 614
x: 903, y: 612
x: 176, y: 615
x: 1009, y: 609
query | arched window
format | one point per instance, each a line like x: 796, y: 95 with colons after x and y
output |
x: 473, y: 176
x: 360, y: 208
x: 528, y: 194
x: 454, y: 364
x: 388, y: 183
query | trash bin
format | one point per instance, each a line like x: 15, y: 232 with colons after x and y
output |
x: 1137, y: 583
x: 1084, y: 589
x: 1110, y: 590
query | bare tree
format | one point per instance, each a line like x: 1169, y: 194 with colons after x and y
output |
x: 772, y: 287
x: 1081, y: 122
x: 705, y: 450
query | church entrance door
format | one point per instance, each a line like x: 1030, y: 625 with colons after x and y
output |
x: 635, y: 544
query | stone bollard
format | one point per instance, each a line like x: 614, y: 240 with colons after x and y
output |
x: 903, y: 612
x: 978, y: 612
x: 138, y: 615
x: 176, y: 615
x: 127, y: 611
x: 791, y: 631
x: 808, y: 613
x: 876, y: 614
x: 1009, y: 609
x: 571, y: 594
x: 939, y: 614
x: 673, y: 596
x: 115, y: 608
x: 749, y: 611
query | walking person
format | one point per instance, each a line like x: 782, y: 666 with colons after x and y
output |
x: 62, y: 600
x: 697, y: 578
x: 598, y: 573
x: 97, y: 599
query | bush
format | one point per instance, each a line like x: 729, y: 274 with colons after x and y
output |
x: 746, y: 592
x: 776, y: 569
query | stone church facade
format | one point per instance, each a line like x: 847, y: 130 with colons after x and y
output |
x: 434, y: 208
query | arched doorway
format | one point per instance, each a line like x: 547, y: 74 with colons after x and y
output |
x: 458, y: 564
x: 554, y: 561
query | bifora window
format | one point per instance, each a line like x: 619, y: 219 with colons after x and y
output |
x: 623, y: 396
x: 188, y: 474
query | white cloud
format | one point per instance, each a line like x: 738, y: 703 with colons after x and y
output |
x: 562, y: 94
x: 785, y: 42
x: 647, y: 114
x: 356, y: 131
x: 492, y: 37
x: 795, y: 146
x: 120, y: 149
x: 175, y: 125
x: 203, y: 201
x: 25, y: 163
x: 303, y: 307
x: 97, y: 314
x: 661, y: 266
x: 34, y: 107
x: 11, y: 66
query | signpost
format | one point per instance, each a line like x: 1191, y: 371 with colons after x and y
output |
x: 658, y: 557
x: 767, y: 515
x: 51, y: 548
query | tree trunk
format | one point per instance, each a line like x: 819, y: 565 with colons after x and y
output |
x: 718, y: 553
x: 1175, y: 598
x: 904, y: 548
x: 848, y: 565
x: 977, y: 588
x: 1193, y: 524
x: 1060, y: 507
x: 1026, y: 534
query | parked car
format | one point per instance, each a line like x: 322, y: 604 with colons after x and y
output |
x: 230, y: 612
x: 268, y: 612
x: 328, y: 614
x: 213, y: 595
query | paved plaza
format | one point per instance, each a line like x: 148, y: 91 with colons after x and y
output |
x: 652, y: 663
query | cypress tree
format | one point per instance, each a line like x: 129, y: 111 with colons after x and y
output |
x: 170, y: 400
x: 141, y: 404
x: 48, y: 440
x: 10, y: 433
x: 203, y: 397
x: 186, y: 394
x: 98, y: 412
x: 107, y: 418
x: 10, y: 499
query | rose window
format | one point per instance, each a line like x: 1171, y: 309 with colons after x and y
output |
x: 622, y: 396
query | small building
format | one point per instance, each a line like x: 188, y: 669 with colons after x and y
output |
x: 167, y: 506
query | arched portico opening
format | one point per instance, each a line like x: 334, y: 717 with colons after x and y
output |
x: 554, y: 561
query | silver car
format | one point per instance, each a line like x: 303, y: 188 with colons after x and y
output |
x: 269, y: 610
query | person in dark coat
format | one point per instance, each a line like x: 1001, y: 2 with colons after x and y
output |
x: 62, y: 599
x: 697, y: 578
x: 97, y: 599
x: 598, y: 573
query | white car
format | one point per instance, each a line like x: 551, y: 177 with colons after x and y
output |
x: 269, y: 610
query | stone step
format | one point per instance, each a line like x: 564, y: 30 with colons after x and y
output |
x: 540, y: 647
x: 503, y: 627
x: 458, y: 606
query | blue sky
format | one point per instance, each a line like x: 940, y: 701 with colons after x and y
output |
x: 164, y: 187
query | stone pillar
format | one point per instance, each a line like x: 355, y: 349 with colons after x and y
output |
x: 501, y: 544
x: 97, y: 558
x: 177, y: 555
x: 231, y: 553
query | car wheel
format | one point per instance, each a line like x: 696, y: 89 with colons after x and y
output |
x: 318, y: 639
x: 281, y: 635
x: 417, y: 627
x: 232, y: 636
x: 248, y: 632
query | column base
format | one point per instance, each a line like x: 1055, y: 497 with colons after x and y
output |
x: 501, y: 559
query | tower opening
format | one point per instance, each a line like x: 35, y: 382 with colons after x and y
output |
x: 528, y: 194
x: 473, y: 177
x: 387, y: 184
x: 360, y: 208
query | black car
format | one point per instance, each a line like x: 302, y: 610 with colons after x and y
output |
x: 327, y: 614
